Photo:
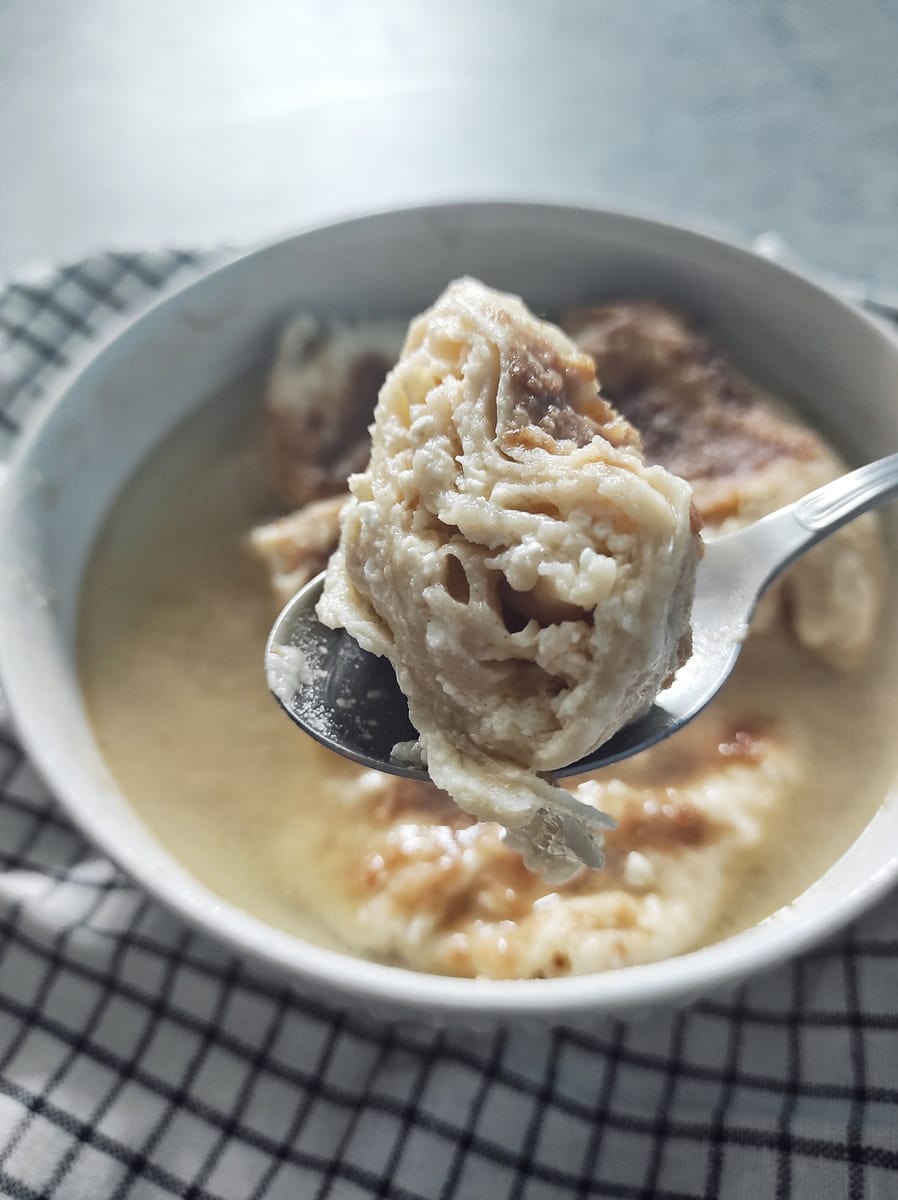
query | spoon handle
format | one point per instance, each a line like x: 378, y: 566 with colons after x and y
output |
x: 845, y: 498
x: 757, y: 554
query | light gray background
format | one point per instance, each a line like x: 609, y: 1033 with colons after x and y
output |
x: 138, y: 122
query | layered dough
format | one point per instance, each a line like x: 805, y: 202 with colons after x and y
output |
x: 406, y: 877
x: 296, y: 547
x: 529, y: 578
x: 744, y: 457
x: 321, y: 392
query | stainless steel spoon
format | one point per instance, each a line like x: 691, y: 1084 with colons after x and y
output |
x: 349, y: 700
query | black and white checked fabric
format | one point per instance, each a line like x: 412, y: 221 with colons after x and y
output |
x: 140, y: 1061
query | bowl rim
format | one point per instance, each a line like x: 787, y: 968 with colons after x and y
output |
x: 671, y: 980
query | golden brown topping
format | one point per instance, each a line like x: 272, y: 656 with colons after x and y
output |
x: 404, y: 798
x: 746, y: 741
x: 702, y: 420
x: 636, y: 343
x: 662, y: 823
x: 555, y: 395
x: 697, y: 416
x: 697, y: 751
x: 321, y: 395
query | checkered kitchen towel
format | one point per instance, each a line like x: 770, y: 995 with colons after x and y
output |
x: 139, y: 1060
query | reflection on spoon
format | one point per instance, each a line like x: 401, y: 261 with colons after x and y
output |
x: 349, y: 700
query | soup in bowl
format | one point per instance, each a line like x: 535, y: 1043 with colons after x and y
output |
x: 200, y: 486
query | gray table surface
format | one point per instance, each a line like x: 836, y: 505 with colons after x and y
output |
x: 170, y: 122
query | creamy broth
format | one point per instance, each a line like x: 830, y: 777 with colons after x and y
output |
x: 174, y: 621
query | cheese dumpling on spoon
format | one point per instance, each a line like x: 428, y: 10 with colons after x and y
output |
x: 527, y: 575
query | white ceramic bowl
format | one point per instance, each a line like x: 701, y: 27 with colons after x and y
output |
x: 105, y: 419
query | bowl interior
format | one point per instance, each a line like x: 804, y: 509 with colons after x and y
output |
x: 835, y: 364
